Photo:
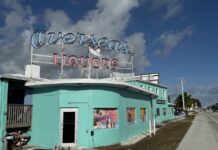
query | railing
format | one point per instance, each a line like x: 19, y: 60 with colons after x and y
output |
x: 19, y: 116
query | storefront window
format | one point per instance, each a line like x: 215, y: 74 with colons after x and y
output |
x: 105, y: 118
x: 143, y: 114
x: 131, y: 119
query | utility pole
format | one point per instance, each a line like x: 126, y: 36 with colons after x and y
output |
x: 183, y: 100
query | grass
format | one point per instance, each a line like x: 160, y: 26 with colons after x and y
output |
x: 167, y: 137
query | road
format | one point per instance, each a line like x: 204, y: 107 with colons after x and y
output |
x: 203, y: 133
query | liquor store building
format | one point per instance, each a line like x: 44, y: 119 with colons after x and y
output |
x: 88, y: 113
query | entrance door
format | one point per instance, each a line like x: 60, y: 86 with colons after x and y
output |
x: 68, y: 126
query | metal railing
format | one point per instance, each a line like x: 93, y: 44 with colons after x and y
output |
x: 19, y: 116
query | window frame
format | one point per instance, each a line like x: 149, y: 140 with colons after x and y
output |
x: 115, y: 124
x: 127, y: 115
x: 145, y: 115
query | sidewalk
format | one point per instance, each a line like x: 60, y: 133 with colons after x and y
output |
x: 200, y: 136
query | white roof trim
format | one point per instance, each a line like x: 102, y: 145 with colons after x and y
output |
x: 19, y: 77
x: 81, y: 82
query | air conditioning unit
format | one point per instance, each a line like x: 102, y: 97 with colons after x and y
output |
x: 32, y: 71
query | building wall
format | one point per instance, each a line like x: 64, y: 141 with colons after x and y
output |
x: 45, y: 117
x: 3, y: 109
x: 46, y: 114
x: 161, y: 96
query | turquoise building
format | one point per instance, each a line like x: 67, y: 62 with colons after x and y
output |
x: 82, y: 113
x: 101, y: 112
x: 162, y: 109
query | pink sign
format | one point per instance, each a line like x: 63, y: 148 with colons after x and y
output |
x: 74, y: 61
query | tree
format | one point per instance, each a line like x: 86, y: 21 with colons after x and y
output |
x: 189, y: 101
x: 214, y: 106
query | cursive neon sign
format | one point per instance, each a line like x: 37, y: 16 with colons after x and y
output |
x: 41, y: 38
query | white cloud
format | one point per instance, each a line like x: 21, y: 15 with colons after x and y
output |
x: 109, y: 18
x: 140, y: 58
x: 170, y: 39
x: 16, y: 33
x: 57, y: 20
x: 171, y: 8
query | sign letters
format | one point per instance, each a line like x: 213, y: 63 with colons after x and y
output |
x: 41, y: 38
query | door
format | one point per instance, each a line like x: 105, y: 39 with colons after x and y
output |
x: 68, y: 126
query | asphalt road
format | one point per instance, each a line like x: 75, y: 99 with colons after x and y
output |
x: 203, y: 133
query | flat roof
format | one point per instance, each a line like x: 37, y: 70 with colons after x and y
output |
x: 18, y: 77
x: 147, y: 83
x: 83, y: 82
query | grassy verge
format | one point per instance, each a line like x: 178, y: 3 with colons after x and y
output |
x: 167, y: 138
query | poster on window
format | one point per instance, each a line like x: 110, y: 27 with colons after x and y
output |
x: 105, y: 118
x: 142, y: 114
x: 130, y: 115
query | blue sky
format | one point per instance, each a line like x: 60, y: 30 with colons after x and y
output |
x: 176, y: 38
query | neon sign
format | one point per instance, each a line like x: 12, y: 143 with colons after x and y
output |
x: 41, y: 38
x: 84, y: 62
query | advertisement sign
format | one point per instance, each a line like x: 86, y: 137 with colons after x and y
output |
x: 105, y: 118
x: 160, y: 101
x: 41, y: 38
x: 80, y: 55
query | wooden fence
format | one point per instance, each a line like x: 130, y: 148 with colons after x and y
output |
x: 19, y: 116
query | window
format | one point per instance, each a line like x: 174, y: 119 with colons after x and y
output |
x: 142, y: 86
x: 149, y: 88
x: 105, y: 118
x: 164, y: 111
x: 130, y: 115
x: 142, y: 114
x: 158, y: 112
x: 157, y: 91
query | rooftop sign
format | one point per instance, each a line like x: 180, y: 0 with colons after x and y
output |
x: 87, y: 53
x: 41, y: 38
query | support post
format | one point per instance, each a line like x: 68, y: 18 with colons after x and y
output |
x: 154, y: 127
x: 150, y: 132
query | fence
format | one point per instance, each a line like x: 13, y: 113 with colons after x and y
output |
x: 19, y: 116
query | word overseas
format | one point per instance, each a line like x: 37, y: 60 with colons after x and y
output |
x: 41, y: 38
x: 84, y: 62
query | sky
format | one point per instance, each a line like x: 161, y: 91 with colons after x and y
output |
x: 175, y: 38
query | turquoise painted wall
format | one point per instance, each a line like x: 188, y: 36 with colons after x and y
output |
x: 161, y: 89
x: 48, y: 102
x: 45, y: 117
x: 3, y: 109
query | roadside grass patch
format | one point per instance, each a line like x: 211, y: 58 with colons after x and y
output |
x: 167, y: 137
